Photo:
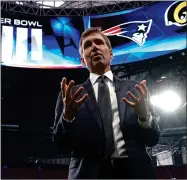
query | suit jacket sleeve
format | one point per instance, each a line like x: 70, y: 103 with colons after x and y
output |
x: 150, y: 136
x: 61, y: 135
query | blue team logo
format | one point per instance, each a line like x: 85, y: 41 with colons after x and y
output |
x: 136, y: 31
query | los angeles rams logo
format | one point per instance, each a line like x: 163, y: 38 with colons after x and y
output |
x: 176, y: 14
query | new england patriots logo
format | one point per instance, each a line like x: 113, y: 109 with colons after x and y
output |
x: 135, y: 30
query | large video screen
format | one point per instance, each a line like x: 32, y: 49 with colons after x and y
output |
x: 52, y: 42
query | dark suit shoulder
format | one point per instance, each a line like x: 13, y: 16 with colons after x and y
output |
x: 76, y: 87
x: 131, y: 82
x: 126, y: 81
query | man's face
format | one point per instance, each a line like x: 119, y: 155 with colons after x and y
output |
x: 96, y: 55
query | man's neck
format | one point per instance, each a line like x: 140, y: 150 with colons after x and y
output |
x: 101, y: 72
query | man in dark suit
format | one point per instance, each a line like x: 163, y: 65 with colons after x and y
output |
x: 105, y: 123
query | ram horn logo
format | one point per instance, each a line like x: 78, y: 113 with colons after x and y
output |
x: 135, y: 30
x: 176, y: 14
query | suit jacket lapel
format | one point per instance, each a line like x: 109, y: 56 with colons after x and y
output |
x: 121, y: 92
x: 92, y: 103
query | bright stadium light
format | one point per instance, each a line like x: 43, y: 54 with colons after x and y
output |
x: 167, y: 101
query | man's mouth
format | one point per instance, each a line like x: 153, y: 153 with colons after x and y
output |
x: 97, y: 57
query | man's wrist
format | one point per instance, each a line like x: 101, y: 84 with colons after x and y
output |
x: 144, y: 118
x: 67, y: 119
x: 146, y: 122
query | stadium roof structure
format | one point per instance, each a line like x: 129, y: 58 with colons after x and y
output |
x: 69, y: 8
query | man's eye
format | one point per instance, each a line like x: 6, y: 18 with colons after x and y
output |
x: 99, y: 41
x: 87, y: 45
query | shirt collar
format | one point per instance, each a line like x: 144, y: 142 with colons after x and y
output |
x: 94, y: 76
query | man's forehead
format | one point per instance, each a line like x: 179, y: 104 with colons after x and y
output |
x: 92, y: 36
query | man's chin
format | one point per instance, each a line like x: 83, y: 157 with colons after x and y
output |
x: 99, y: 64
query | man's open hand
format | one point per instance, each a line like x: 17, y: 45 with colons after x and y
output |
x: 140, y: 104
x: 70, y: 102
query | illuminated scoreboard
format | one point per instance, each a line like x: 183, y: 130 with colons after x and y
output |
x: 53, y: 42
x: 15, y: 36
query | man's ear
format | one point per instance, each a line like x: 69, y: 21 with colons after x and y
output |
x: 111, y: 55
x: 83, y: 61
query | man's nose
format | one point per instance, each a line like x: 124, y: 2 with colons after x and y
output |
x: 95, y: 47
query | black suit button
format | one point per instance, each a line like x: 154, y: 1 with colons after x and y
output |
x: 99, y: 132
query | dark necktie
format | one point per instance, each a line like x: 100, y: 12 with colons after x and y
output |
x: 106, y: 114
